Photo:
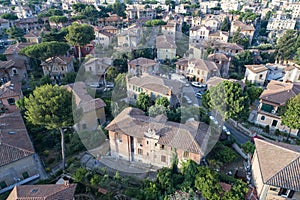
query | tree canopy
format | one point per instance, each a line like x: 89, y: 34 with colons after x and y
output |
x: 228, y: 99
x: 291, y: 115
x: 225, y: 26
x: 9, y: 16
x: 163, y: 101
x: 16, y: 33
x: 287, y: 45
x: 45, y: 50
x: 51, y: 107
x: 143, y: 102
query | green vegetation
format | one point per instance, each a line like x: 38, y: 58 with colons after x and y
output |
x: 51, y: 107
x: 287, y: 45
x: 291, y: 115
x: 155, y: 22
x: 228, y: 99
x: 225, y: 26
x: 16, y: 33
x: 80, y: 35
x: 241, y: 39
x: 9, y: 16
x: 248, y: 147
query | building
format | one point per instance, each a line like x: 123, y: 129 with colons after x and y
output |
x: 139, y: 138
x: 49, y: 192
x: 10, y: 70
x: 292, y: 74
x: 245, y: 29
x: 219, y: 35
x: 214, y: 81
x: 155, y: 87
x: 138, y: 11
x: 169, y: 30
x: 19, y: 164
x: 200, y: 50
x: 197, y: 69
x: 103, y: 38
x: 58, y: 67
x: 142, y: 65
x: 256, y: 74
x: 199, y: 33
x: 20, y: 61
x: 273, y: 98
x: 33, y: 37
x: 112, y: 20
x: 222, y: 61
x: 9, y: 94
x: 97, y: 66
x: 275, y: 24
x: 129, y: 38
x: 166, y: 47
x: 276, y: 170
x: 93, y: 110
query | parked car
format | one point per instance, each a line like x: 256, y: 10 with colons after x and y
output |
x: 198, y: 95
x: 110, y: 85
x: 199, y: 85
x: 213, y: 119
x: 94, y: 85
x: 225, y: 129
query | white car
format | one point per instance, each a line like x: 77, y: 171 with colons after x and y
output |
x: 199, y: 85
x: 225, y: 129
x: 213, y: 119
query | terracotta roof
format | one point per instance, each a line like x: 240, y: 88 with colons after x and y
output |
x: 60, y: 60
x: 243, y: 26
x: 15, y: 48
x: 85, y: 101
x: 10, y: 90
x: 279, y: 164
x: 32, y: 34
x: 199, y: 63
x: 218, y: 33
x: 217, y: 56
x: 157, y: 84
x: 142, y: 62
x: 188, y: 137
x: 215, y: 80
x: 165, y: 42
x: 279, y: 92
x: 256, y: 68
x: 106, y: 33
x: 43, y: 192
x: 15, y: 143
x: 109, y: 28
x: 6, y: 64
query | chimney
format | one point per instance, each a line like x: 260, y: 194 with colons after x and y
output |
x: 66, y: 182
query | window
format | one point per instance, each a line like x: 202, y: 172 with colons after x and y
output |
x: 286, y: 193
x: 11, y: 101
x: 163, y: 159
x: 185, y: 154
x: 147, y: 142
x: 83, y: 126
x: 162, y: 146
x: 3, y: 185
x: 262, y: 118
x: 274, y: 123
x: 140, y: 141
x: 147, y: 153
x: 25, y: 175
x: 118, y: 137
x: 140, y: 151
x: 260, y: 76
x: 99, y: 121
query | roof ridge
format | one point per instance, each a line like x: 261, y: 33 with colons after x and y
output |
x: 281, y: 146
x: 281, y: 170
x: 61, y: 189
x: 15, y: 147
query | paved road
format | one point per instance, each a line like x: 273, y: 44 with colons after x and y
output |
x: 240, y: 137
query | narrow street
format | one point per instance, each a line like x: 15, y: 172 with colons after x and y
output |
x: 240, y: 137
